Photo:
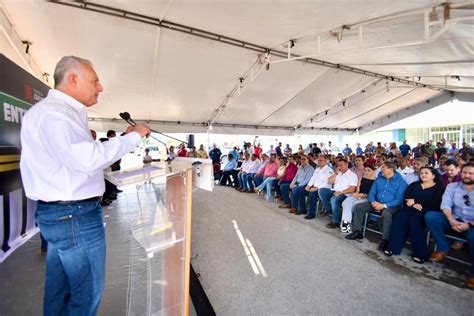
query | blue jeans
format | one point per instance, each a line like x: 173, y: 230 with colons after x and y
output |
x: 258, y: 179
x: 437, y: 224
x: 241, y: 177
x: 313, y: 197
x: 285, y: 193
x: 332, y: 203
x: 75, y: 262
x: 267, y: 184
x: 248, y: 181
x: 298, y: 198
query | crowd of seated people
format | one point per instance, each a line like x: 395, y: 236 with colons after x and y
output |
x: 413, y: 190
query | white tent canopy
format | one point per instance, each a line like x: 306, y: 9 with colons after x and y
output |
x: 241, y: 66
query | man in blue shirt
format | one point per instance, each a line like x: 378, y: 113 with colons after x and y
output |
x: 215, y: 154
x: 359, y: 150
x: 385, y: 197
x: 229, y: 171
x: 278, y: 150
x: 457, y: 216
x: 404, y: 148
x: 235, y: 153
x: 347, y: 151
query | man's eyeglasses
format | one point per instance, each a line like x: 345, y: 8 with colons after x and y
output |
x: 466, y: 200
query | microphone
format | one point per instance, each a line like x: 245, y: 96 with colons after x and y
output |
x: 127, y: 118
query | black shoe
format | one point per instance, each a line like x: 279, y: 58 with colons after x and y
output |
x: 383, y: 245
x: 309, y: 216
x: 355, y: 235
x: 105, y: 202
x: 301, y: 212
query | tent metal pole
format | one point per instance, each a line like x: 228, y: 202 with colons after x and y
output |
x: 84, y: 5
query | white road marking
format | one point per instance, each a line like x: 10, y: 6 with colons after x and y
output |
x: 250, y: 252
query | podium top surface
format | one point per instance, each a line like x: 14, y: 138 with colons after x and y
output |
x: 202, y: 171
x: 149, y: 171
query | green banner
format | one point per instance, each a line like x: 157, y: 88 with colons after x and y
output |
x: 12, y: 111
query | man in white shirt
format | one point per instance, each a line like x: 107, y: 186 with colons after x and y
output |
x: 243, y: 171
x: 251, y: 169
x: 414, y: 176
x: 403, y: 167
x: 345, y: 183
x: 62, y: 169
x: 318, y: 181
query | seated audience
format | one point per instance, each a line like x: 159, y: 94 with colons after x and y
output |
x: 228, y: 172
x: 403, y: 167
x: 272, y: 178
x: 269, y: 170
x: 385, y: 197
x: 414, y: 176
x: 318, y: 181
x: 257, y: 177
x: 242, y: 171
x: 370, y: 161
x: 420, y: 197
x: 358, y: 167
x: 457, y: 217
x: 360, y: 196
x: 248, y: 173
x: 451, y: 172
x: 290, y: 172
x: 297, y: 187
x: 345, y: 183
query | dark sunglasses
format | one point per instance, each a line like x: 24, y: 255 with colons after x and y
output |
x: 466, y: 200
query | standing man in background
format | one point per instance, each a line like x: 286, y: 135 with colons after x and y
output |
x: 62, y: 169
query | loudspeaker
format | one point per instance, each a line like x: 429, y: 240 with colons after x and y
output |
x: 190, y: 140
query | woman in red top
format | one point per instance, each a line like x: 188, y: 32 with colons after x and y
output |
x: 290, y: 173
x: 257, y: 149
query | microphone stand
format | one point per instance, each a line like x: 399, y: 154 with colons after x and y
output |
x: 132, y: 123
x: 179, y: 140
x: 126, y: 117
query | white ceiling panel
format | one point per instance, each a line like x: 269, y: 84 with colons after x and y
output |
x: 166, y: 76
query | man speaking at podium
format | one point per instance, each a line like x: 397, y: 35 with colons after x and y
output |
x: 62, y: 169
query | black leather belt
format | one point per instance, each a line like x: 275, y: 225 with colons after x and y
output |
x: 92, y: 199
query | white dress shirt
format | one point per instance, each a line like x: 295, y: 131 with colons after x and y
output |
x: 320, y: 177
x: 253, y: 166
x: 245, y: 165
x: 345, y: 180
x: 405, y: 171
x: 60, y: 161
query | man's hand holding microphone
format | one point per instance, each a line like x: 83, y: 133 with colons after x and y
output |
x: 142, y: 129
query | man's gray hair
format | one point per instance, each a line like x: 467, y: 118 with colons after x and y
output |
x: 423, y: 160
x: 66, y: 63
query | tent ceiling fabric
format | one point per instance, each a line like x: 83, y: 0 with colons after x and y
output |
x: 164, y: 76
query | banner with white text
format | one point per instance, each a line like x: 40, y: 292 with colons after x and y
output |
x: 18, y: 91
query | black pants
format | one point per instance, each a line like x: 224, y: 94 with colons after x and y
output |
x: 230, y: 177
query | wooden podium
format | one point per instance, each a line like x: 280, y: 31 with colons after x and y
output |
x: 162, y: 232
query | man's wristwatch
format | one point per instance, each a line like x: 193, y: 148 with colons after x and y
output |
x: 385, y: 206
